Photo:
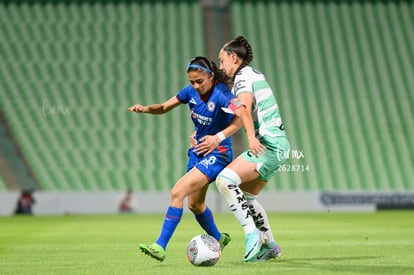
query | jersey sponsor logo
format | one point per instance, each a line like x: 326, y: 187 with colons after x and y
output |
x: 211, y: 106
x: 209, y: 161
x: 203, y: 120
x: 238, y: 85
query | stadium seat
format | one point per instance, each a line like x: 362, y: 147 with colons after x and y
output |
x: 342, y: 79
x: 342, y: 75
x: 76, y: 68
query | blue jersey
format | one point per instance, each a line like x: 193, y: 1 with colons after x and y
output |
x: 209, y: 118
x: 207, y: 114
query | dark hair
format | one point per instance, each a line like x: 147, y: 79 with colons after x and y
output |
x: 204, y: 64
x: 241, y: 47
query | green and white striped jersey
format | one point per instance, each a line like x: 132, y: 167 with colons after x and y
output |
x: 265, y: 111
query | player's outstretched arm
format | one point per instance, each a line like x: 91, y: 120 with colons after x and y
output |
x: 156, y: 109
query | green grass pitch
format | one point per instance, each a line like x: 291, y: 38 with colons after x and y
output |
x: 312, y: 243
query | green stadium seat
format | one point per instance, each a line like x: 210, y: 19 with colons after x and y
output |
x: 341, y: 77
x: 342, y: 74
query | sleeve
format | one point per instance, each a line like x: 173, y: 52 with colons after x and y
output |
x: 243, y: 83
x: 234, y: 104
x: 183, y: 95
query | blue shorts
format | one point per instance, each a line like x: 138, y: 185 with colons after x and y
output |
x: 210, y: 165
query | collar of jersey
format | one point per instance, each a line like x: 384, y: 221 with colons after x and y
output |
x: 205, y: 96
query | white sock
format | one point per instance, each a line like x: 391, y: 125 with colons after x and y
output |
x: 228, y: 184
x: 260, y: 217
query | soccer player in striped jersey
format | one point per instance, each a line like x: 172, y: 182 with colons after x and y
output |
x: 212, y: 105
x: 242, y: 180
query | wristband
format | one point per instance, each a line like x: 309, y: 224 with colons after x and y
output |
x: 221, y: 136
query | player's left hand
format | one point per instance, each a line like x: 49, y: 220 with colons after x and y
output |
x: 193, y: 141
x: 207, y: 145
x: 256, y: 147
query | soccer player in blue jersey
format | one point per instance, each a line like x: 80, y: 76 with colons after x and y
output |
x: 212, y: 105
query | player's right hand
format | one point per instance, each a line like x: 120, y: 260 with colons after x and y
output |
x: 138, y: 108
x: 207, y: 144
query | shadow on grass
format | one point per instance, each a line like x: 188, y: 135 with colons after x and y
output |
x: 345, y: 264
x: 353, y: 258
x: 333, y: 265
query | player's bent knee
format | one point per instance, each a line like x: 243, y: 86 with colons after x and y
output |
x: 196, y: 208
x: 226, y: 179
x: 176, y: 196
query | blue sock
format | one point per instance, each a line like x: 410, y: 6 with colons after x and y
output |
x: 206, y: 220
x: 171, y: 220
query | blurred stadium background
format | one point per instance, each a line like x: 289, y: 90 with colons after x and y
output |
x: 342, y: 72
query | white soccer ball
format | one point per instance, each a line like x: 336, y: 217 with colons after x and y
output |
x: 203, y: 250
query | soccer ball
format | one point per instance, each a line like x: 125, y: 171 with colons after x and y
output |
x: 203, y: 250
